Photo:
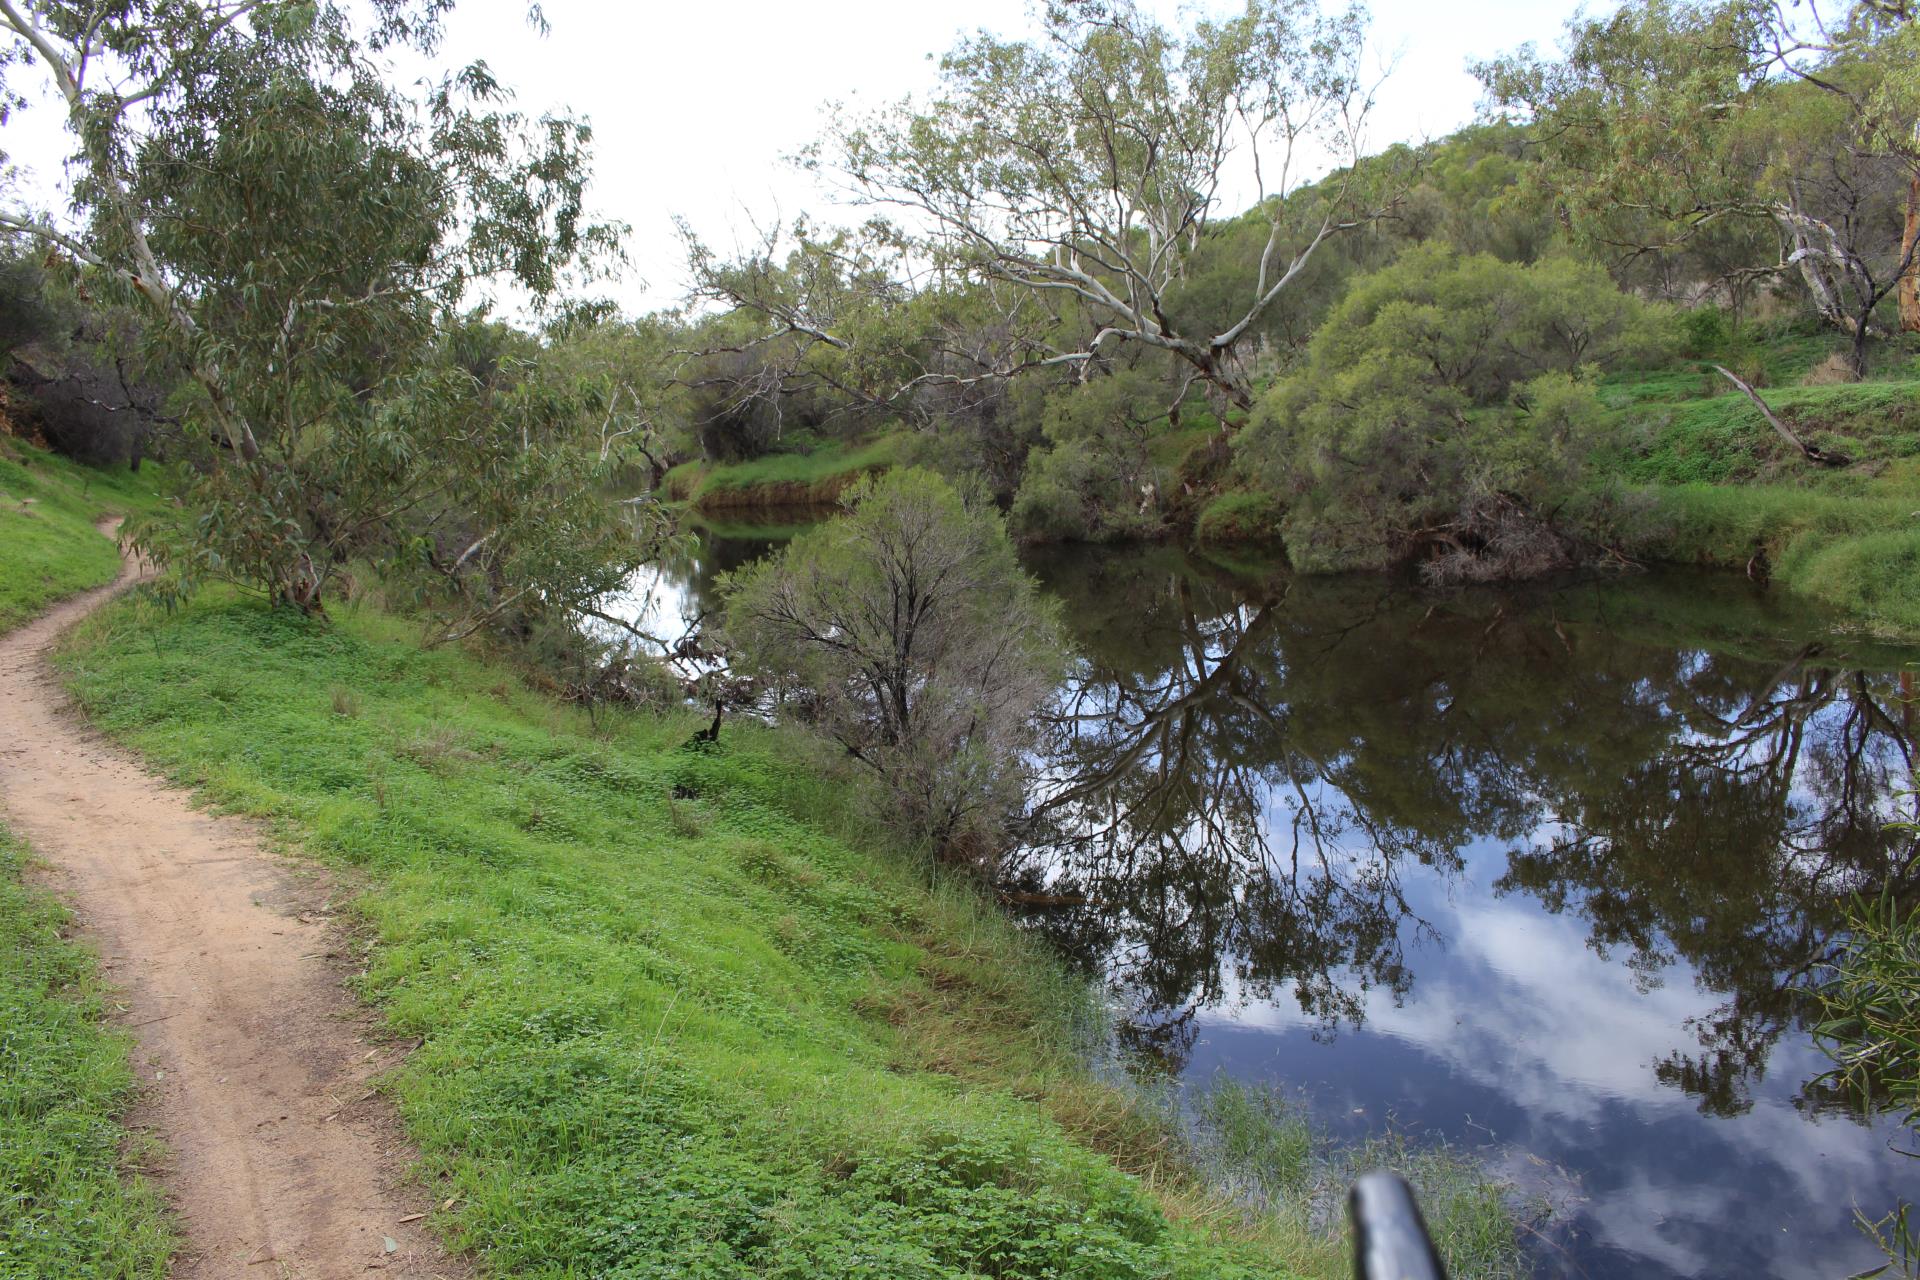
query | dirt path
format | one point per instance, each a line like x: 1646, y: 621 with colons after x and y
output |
x: 280, y: 1163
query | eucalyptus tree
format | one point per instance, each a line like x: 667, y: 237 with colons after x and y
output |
x: 1085, y: 166
x: 847, y: 329
x: 1669, y: 119
x: 1076, y: 177
x: 303, y: 238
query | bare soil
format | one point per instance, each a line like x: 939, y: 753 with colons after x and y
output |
x: 281, y: 1160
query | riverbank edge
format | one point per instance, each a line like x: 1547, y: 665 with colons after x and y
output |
x: 951, y: 1022
x: 979, y: 1011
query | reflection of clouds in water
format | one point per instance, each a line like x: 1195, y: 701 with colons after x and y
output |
x: 1521, y: 1003
x: 1522, y: 1006
x: 656, y: 600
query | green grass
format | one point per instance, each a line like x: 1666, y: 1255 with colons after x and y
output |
x: 1857, y: 554
x: 1723, y: 439
x: 798, y: 478
x: 65, y: 1208
x: 669, y: 1024
x: 1720, y: 486
x: 1239, y: 516
x: 48, y: 507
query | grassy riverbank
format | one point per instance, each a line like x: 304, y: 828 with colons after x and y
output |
x: 665, y: 1013
x: 1715, y: 485
x: 664, y: 1010
x: 796, y: 478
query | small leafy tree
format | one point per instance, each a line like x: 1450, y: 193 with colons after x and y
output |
x: 1444, y: 400
x: 918, y: 644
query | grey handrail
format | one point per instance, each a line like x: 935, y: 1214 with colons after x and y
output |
x: 1390, y: 1240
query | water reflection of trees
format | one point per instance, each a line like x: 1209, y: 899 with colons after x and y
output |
x: 1242, y: 784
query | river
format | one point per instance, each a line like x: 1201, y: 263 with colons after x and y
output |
x: 1544, y: 874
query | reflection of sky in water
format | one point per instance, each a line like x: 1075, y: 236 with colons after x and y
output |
x: 1517, y: 1035
x: 657, y: 600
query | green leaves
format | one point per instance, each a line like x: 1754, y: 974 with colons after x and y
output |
x: 1437, y: 384
x: 303, y: 237
x: 919, y: 644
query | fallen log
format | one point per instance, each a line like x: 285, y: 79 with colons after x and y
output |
x: 1812, y: 452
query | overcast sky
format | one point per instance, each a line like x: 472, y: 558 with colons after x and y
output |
x: 696, y: 105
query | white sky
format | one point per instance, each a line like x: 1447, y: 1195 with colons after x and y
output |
x: 695, y: 106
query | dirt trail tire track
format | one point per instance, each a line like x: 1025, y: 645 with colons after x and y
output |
x: 279, y: 1163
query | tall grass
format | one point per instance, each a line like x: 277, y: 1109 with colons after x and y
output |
x: 1859, y: 555
x: 812, y: 477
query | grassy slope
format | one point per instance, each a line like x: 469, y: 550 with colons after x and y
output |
x: 48, y: 506
x: 669, y: 1025
x: 1721, y: 488
x: 780, y: 479
x: 65, y: 1209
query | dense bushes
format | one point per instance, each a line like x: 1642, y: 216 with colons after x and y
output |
x: 1095, y: 480
x: 1447, y: 400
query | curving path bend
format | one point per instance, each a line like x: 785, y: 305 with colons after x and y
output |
x: 255, y: 1064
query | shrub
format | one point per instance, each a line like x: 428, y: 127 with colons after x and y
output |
x: 1443, y: 402
x: 920, y: 645
x: 1098, y: 479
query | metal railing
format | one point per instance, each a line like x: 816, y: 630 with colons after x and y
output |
x: 1390, y: 1240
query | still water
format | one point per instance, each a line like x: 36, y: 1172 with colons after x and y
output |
x: 1545, y: 875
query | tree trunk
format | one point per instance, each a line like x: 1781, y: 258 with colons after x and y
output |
x: 1857, y: 353
x: 1910, y: 278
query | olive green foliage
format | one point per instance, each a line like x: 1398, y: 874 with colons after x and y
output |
x: 65, y: 1207
x: 921, y: 647
x: 300, y: 235
x: 1240, y: 516
x: 1096, y: 479
x: 1438, y: 384
x: 656, y: 1000
x: 48, y: 507
x: 1081, y: 165
x: 1754, y: 140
